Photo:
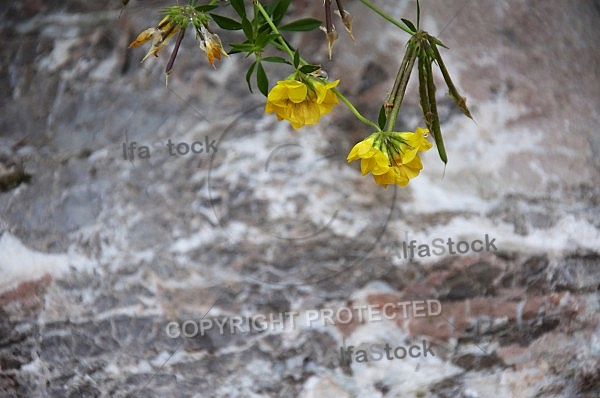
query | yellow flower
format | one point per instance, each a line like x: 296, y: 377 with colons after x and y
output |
x: 301, y: 103
x: 391, y: 157
x: 211, y: 44
x: 400, y: 174
x: 373, y: 159
x: 160, y: 36
x: 413, y: 143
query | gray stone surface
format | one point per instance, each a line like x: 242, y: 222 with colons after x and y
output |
x: 98, y: 254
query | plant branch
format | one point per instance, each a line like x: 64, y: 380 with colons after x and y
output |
x: 355, y: 111
x: 386, y: 16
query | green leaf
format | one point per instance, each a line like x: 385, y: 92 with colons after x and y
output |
x: 249, y: 75
x: 206, y: 8
x: 302, y: 25
x: 381, y: 119
x: 409, y: 24
x: 247, y: 27
x: 263, y: 39
x: 296, y: 59
x: 437, y: 41
x: 279, y: 60
x: 279, y: 10
x: 418, y: 15
x: 238, y: 6
x: 261, y: 80
x: 309, y: 68
x: 226, y: 23
x: 241, y: 48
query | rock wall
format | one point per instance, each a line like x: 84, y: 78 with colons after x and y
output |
x: 101, y: 255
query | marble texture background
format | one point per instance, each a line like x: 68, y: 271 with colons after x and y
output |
x: 98, y: 254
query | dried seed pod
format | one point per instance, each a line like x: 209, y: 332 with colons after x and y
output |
x: 397, y: 95
x: 435, y: 121
x: 452, y: 91
x: 423, y: 93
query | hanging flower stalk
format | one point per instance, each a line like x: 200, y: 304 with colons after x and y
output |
x: 307, y: 95
x: 393, y: 157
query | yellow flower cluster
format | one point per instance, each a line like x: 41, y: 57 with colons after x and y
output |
x: 301, y: 102
x: 391, y: 157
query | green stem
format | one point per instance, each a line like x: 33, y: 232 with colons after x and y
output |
x: 282, y: 45
x: 355, y: 111
x: 274, y: 28
x: 285, y: 47
x: 386, y: 16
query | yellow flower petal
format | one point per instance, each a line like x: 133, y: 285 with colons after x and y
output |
x: 297, y: 92
x: 323, y: 90
x: 298, y: 102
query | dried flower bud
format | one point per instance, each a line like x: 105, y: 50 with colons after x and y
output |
x: 347, y: 20
x: 159, y: 35
x: 331, y: 38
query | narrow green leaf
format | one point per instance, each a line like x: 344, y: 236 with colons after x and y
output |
x: 249, y: 75
x: 263, y: 38
x: 418, y: 15
x: 381, y: 119
x: 257, y: 16
x: 437, y: 41
x: 279, y: 60
x: 238, y: 6
x: 261, y: 80
x: 296, y: 59
x: 279, y: 10
x: 309, y: 68
x: 247, y: 27
x: 206, y: 8
x: 302, y: 25
x: 241, y: 47
x: 409, y: 25
x: 226, y: 23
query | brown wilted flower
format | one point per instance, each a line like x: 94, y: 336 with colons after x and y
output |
x: 160, y: 35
